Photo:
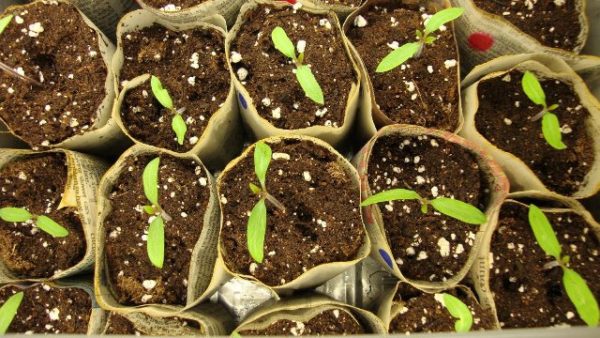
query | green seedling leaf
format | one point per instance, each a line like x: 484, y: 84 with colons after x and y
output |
x: 257, y: 228
x: 430, y: 39
x: 49, y: 226
x: 150, y: 180
x: 459, y: 210
x: 149, y: 209
x: 533, y: 89
x: 552, y: 107
x: 543, y: 232
x: 309, y: 84
x: 582, y: 297
x: 156, y: 242
x: 442, y: 17
x: 160, y: 93
x: 4, y: 22
x: 283, y: 43
x: 10, y: 214
x: 262, y: 159
x: 398, y: 56
x: 254, y: 188
x: 391, y: 195
x: 551, y: 131
x: 235, y: 334
x: 458, y: 310
x: 8, y: 311
x: 179, y: 127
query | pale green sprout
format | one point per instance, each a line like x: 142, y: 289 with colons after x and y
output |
x: 155, y: 244
x: 413, y: 49
x: 162, y: 95
x: 577, y: 288
x: 257, y: 222
x: 456, y: 209
x: 550, y: 124
x: 458, y: 310
x: 8, y: 311
x: 44, y: 223
x: 5, y: 21
x: 304, y: 74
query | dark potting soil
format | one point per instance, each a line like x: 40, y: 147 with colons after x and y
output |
x: 330, y: 322
x: 422, y: 312
x: 37, y: 183
x: 50, y: 43
x: 270, y: 79
x: 553, y: 23
x: 321, y: 223
x: 526, y: 294
x: 349, y: 3
x: 423, y: 90
x: 430, y: 247
x: 118, y: 324
x: 47, y: 309
x: 191, y: 66
x: 504, y: 118
x: 178, y: 4
x: 184, y: 195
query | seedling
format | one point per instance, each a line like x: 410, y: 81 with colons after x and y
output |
x: 44, y: 223
x: 304, y: 74
x: 4, y: 22
x: 155, y: 244
x: 257, y: 222
x: 235, y: 334
x: 456, y: 209
x: 577, y: 289
x: 162, y: 95
x: 550, y: 124
x: 458, y: 310
x: 414, y: 49
x: 8, y: 311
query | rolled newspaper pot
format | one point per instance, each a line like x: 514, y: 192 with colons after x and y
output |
x: 65, y: 307
x: 105, y: 13
x: 312, y: 315
x: 125, y: 275
x: 189, y: 11
x: 514, y: 277
x: 429, y: 252
x: 60, y: 184
x: 270, y: 112
x: 219, y: 138
x: 328, y: 237
x: 405, y: 309
x: 87, y: 126
x: 573, y: 171
x: 341, y: 7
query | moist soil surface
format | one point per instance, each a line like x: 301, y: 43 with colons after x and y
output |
x: 553, y: 23
x: 179, y: 4
x: 50, y: 43
x: 271, y: 82
x: 191, y: 66
x: 49, y: 310
x: 421, y: 312
x: 504, y: 118
x: 184, y: 195
x: 37, y: 183
x: 330, y: 322
x: 422, y: 91
x: 321, y: 223
x: 429, y: 247
x: 526, y: 294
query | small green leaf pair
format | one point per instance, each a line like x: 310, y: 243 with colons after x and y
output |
x: 304, y: 74
x: 8, y: 311
x: 155, y: 244
x: 257, y: 222
x: 44, y: 223
x: 550, y: 124
x: 577, y: 289
x: 456, y: 209
x: 458, y: 310
x: 162, y: 95
x: 399, y: 55
x: 5, y: 21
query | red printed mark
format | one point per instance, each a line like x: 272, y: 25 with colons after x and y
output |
x: 481, y: 41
